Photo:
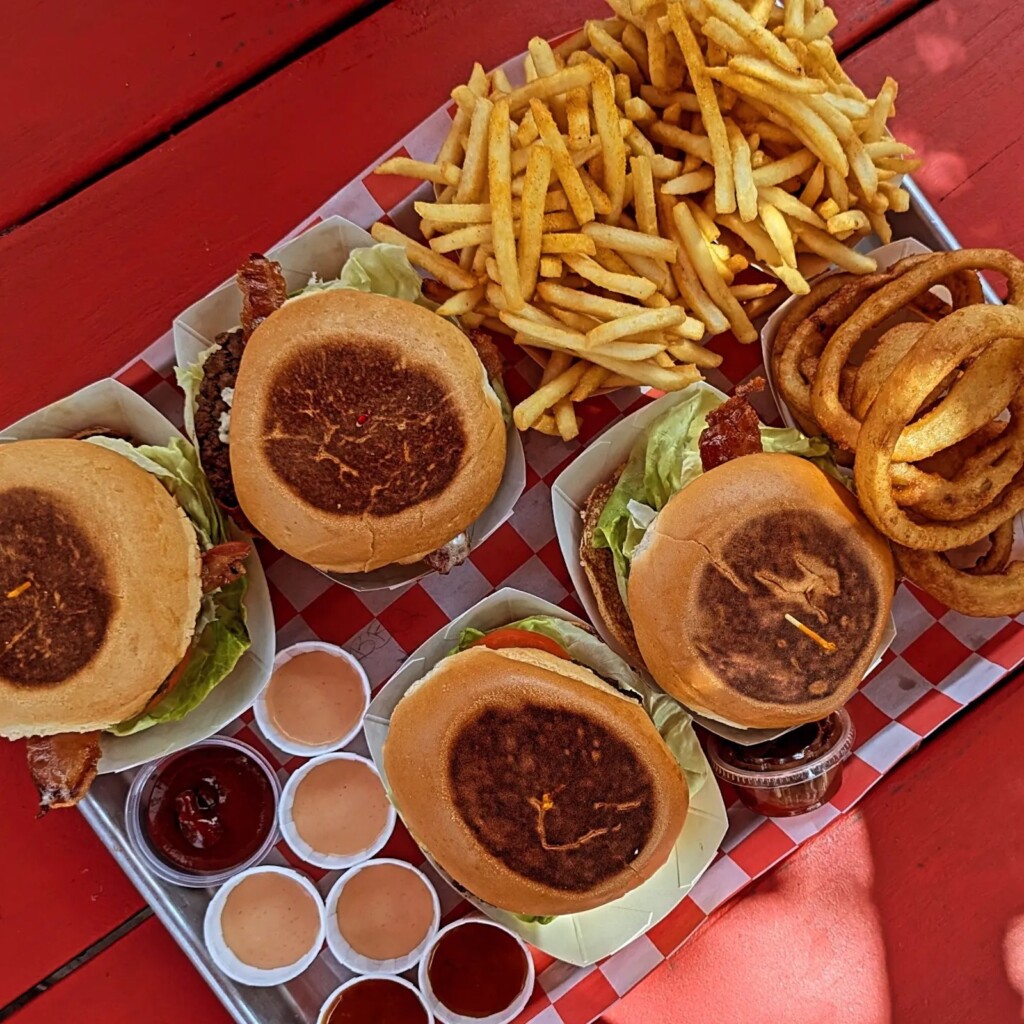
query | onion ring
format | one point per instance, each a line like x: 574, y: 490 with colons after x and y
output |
x: 800, y: 308
x: 947, y: 344
x: 980, y: 394
x: 976, y: 591
x: 879, y: 363
x: 951, y: 460
x: 997, y: 558
x: 922, y: 274
x: 979, y: 480
x: 810, y: 338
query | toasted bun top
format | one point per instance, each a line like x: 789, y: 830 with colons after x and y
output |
x: 113, y: 568
x: 363, y: 431
x: 728, y: 557
x: 532, y: 782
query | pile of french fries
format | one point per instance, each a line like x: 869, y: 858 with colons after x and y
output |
x: 602, y: 211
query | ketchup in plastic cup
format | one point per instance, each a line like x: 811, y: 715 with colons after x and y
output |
x: 476, y: 970
x: 373, y: 999
x: 792, y: 774
x: 202, y: 814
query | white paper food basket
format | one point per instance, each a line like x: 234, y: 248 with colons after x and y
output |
x: 110, y: 404
x: 569, y: 494
x: 323, y: 249
x: 584, y: 938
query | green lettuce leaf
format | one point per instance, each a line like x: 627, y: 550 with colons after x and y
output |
x: 221, y: 633
x: 667, y: 458
x: 382, y: 269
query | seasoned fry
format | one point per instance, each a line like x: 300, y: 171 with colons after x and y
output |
x: 461, y: 238
x: 579, y: 200
x: 624, y: 240
x: 568, y: 242
x: 778, y: 231
x: 737, y: 18
x: 527, y: 412
x: 440, y: 174
x: 447, y: 272
x: 499, y: 180
x: 531, y: 229
x: 613, y: 149
x: 550, y: 266
x: 577, y: 112
x: 696, y: 248
x: 687, y: 184
x: 461, y: 302
x: 474, y: 167
x: 613, y: 50
x: 550, y: 85
x: 725, y: 192
x: 624, y: 284
x: 824, y: 244
x: 743, y: 172
x: 638, y: 323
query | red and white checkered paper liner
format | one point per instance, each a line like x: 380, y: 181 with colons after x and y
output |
x: 940, y: 662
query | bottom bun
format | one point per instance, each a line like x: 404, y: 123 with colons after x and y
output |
x: 547, y: 792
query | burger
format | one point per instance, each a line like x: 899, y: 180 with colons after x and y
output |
x: 120, y: 598
x: 731, y: 562
x: 352, y: 429
x: 539, y: 785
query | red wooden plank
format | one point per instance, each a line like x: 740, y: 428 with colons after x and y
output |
x: 60, y: 890
x: 911, y: 909
x: 142, y: 977
x: 959, y: 66
x: 87, y: 83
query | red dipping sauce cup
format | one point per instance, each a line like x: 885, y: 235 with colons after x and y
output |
x: 476, y: 971
x: 201, y: 815
x: 374, y: 999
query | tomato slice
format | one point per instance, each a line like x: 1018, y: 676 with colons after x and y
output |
x: 521, y: 638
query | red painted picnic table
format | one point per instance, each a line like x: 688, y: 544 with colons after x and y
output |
x: 146, y: 146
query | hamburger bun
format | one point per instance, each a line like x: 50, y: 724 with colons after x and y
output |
x: 113, y: 568
x: 363, y: 431
x: 729, y: 555
x: 545, y: 790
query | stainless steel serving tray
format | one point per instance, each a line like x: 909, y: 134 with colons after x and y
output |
x: 181, y: 910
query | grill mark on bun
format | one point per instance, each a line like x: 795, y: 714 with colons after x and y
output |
x: 775, y: 564
x: 354, y: 431
x: 553, y: 794
x: 54, y: 626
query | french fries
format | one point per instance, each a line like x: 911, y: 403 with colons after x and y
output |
x: 599, y: 212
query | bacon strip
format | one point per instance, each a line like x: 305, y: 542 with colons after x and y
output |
x: 224, y: 564
x: 63, y: 767
x: 263, y: 290
x: 489, y: 353
x: 732, y: 429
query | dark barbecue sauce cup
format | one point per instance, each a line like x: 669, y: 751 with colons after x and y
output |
x: 792, y: 774
x: 203, y: 814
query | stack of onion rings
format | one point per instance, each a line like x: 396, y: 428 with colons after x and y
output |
x: 933, y: 414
